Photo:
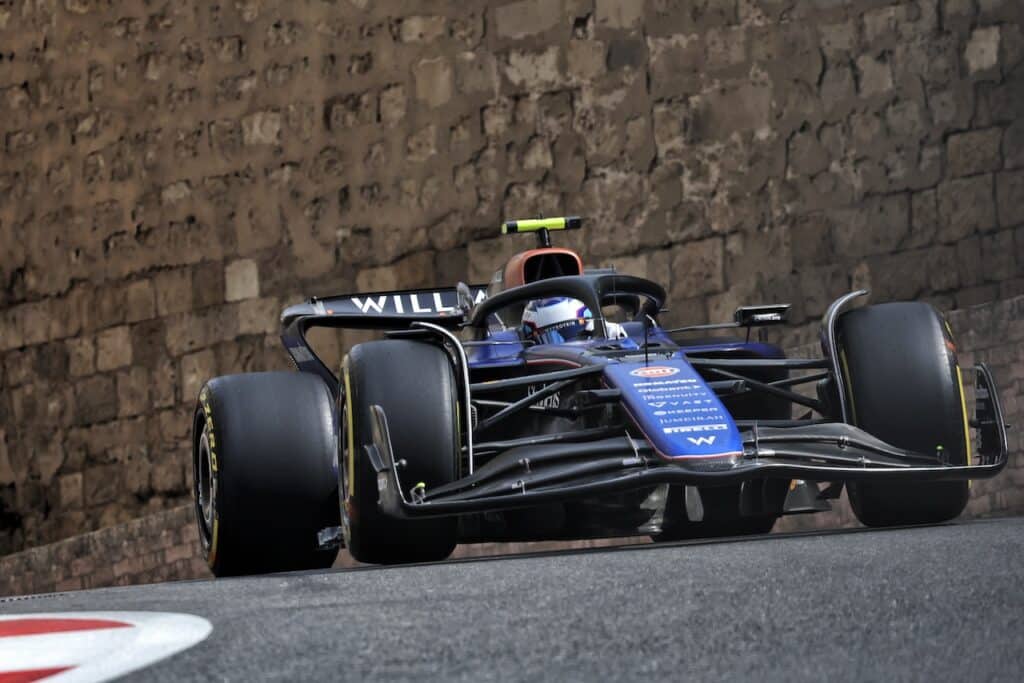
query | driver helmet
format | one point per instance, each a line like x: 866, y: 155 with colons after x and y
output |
x: 561, y: 319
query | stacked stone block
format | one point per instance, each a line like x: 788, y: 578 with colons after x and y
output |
x: 172, y: 174
x: 159, y: 547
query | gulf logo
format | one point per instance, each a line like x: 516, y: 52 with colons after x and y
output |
x: 654, y: 371
x: 84, y: 647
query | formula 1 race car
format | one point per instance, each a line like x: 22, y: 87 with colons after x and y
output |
x: 551, y: 404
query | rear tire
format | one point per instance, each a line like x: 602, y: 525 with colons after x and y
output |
x: 415, y: 385
x: 900, y: 367
x: 263, y: 454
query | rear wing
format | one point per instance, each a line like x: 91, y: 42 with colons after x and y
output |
x: 370, y: 311
x: 383, y: 310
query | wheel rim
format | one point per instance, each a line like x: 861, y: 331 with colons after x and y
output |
x: 206, y: 483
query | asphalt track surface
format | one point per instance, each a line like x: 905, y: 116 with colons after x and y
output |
x: 927, y: 603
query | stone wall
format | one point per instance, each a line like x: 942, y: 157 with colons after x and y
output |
x: 173, y: 172
x: 165, y: 546
x: 162, y: 546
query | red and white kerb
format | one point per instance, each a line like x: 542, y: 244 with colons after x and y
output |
x: 81, y: 647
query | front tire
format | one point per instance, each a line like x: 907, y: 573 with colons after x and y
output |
x: 263, y: 454
x: 415, y: 385
x: 904, y: 386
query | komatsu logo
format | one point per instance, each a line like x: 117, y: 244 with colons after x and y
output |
x: 701, y: 440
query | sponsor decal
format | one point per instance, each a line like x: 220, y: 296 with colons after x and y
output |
x: 655, y: 371
x: 366, y: 304
x: 672, y: 392
x: 411, y: 303
x: 686, y: 411
x: 662, y: 386
x: 92, y: 646
x: 689, y: 398
x: 696, y: 428
x: 680, y: 415
x: 399, y: 303
x: 668, y: 393
x: 552, y: 401
x: 705, y: 406
x: 681, y: 420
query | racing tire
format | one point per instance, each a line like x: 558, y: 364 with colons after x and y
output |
x: 263, y: 455
x: 414, y: 383
x: 904, y: 386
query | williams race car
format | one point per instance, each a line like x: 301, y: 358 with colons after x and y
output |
x: 551, y: 404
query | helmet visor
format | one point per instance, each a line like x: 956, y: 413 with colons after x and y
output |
x: 563, y: 332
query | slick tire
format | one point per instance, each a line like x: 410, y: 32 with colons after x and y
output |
x: 904, y: 386
x: 263, y: 455
x: 415, y: 385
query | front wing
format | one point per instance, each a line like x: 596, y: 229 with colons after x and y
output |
x: 593, y: 462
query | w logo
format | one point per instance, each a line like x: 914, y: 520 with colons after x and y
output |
x: 701, y: 440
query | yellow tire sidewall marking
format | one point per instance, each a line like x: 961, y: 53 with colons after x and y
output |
x: 963, y: 412
x: 963, y: 398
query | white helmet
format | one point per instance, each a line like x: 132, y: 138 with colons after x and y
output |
x: 561, y: 319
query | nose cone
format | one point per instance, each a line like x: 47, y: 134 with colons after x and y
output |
x: 678, y: 413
